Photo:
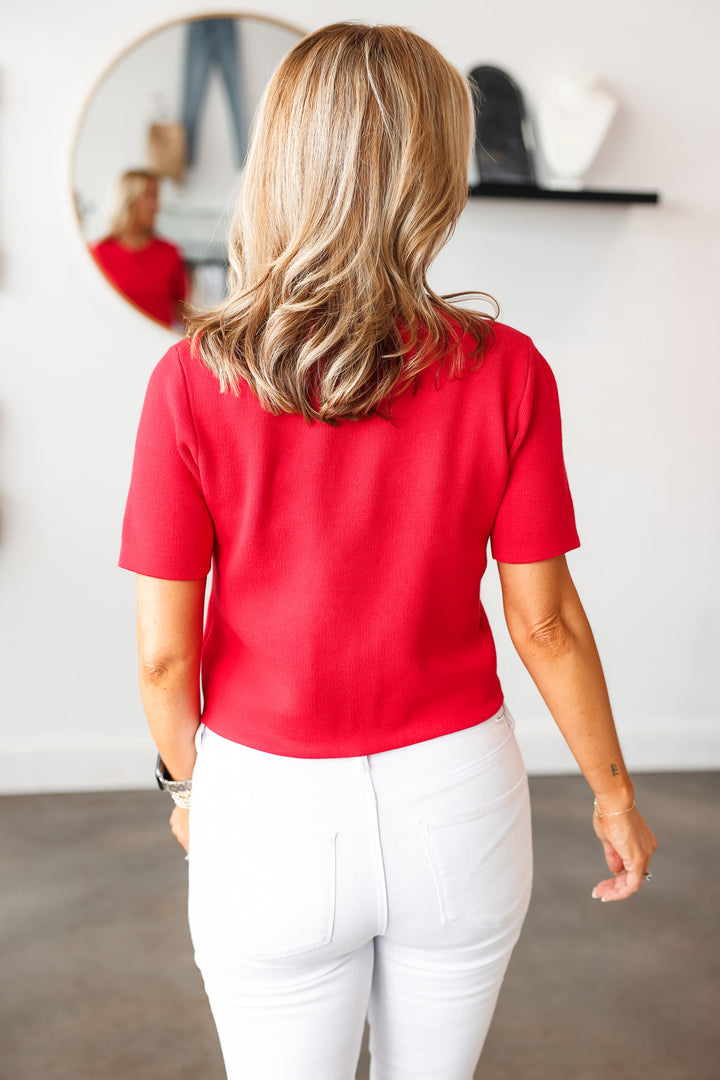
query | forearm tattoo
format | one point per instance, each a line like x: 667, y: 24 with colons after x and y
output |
x: 614, y: 770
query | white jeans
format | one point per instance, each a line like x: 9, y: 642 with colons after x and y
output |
x: 325, y: 890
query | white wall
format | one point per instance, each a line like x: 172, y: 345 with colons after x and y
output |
x: 622, y: 300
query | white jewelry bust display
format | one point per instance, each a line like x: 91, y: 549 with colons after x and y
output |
x: 573, y: 117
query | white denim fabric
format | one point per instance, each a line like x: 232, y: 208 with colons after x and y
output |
x: 324, y: 890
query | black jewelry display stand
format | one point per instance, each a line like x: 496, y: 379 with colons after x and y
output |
x: 532, y: 191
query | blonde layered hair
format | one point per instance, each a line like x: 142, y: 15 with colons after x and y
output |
x: 127, y: 189
x: 355, y: 178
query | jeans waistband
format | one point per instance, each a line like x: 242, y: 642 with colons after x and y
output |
x: 406, y: 765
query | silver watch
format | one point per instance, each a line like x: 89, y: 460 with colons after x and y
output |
x: 179, y: 790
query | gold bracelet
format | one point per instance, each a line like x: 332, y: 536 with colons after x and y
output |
x: 613, y: 813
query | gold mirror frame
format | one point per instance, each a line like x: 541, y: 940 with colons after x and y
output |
x: 95, y: 89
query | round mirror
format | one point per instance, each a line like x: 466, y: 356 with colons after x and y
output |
x: 159, y: 151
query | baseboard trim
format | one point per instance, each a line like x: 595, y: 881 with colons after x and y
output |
x: 677, y: 745
x: 81, y: 766
x: 682, y: 744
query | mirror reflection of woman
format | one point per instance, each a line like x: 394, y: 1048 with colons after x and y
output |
x: 148, y: 270
x: 339, y: 443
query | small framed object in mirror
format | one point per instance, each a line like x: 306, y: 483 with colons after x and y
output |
x: 159, y: 152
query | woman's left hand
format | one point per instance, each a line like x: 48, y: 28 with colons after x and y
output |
x: 180, y: 825
x: 629, y: 844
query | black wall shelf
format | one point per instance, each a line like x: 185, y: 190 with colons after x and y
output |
x: 532, y: 191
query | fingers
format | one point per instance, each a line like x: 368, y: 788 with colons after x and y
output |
x: 618, y: 888
x: 179, y: 825
x: 614, y: 861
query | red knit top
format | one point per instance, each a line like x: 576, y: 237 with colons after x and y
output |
x: 152, y: 277
x: 345, y: 615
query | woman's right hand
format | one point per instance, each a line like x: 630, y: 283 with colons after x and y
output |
x: 629, y: 844
x: 180, y: 825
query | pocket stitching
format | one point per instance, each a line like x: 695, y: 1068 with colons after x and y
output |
x: 325, y: 937
x: 426, y: 827
x: 474, y: 813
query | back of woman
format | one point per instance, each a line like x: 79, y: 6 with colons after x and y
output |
x: 345, y: 616
x: 338, y: 443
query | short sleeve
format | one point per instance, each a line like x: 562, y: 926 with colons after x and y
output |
x: 535, y: 520
x: 167, y: 528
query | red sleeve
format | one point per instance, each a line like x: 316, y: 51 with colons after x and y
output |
x: 536, y: 519
x: 167, y: 529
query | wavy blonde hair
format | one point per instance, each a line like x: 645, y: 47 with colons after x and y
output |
x: 355, y: 178
x: 127, y: 189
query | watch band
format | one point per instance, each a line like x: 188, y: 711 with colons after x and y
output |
x: 179, y: 790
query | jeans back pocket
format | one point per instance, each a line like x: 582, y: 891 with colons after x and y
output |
x: 481, y: 860
x: 284, y: 894
x: 263, y: 896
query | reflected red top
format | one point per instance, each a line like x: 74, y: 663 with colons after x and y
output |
x: 153, y: 277
x: 345, y: 615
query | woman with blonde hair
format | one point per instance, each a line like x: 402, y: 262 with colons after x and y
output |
x: 148, y: 270
x: 339, y: 443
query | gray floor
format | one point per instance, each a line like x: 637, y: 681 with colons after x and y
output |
x: 97, y: 978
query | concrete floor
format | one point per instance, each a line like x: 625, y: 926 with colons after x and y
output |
x: 97, y: 977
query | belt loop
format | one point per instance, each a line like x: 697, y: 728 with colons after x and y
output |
x: 508, y: 717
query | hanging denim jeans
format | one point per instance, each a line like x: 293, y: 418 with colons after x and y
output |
x: 213, y: 43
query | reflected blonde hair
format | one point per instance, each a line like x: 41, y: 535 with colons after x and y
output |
x: 127, y: 189
x: 355, y: 178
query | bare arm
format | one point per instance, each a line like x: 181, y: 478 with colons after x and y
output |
x: 169, y: 629
x: 551, y: 633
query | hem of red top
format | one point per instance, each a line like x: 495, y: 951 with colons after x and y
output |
x: 361, y: 749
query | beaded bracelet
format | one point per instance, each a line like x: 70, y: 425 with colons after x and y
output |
x: 181, y: 798
x: 613, y: 813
